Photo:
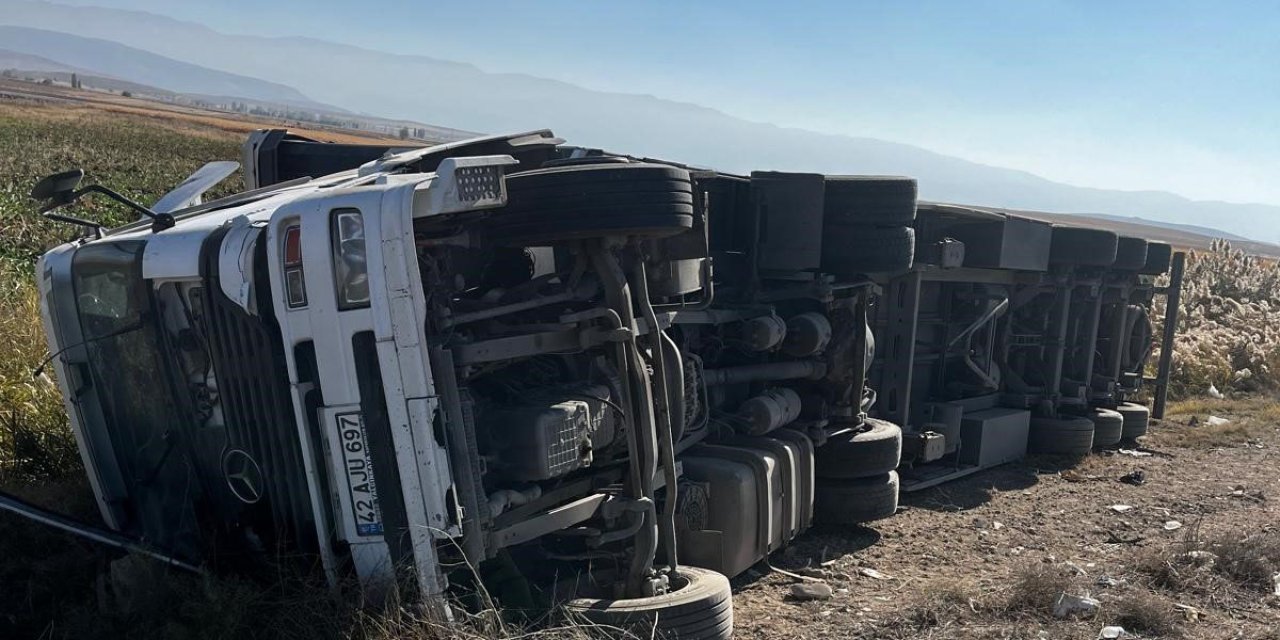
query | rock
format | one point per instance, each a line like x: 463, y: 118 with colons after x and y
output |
x: 1172, y: 525
x: 1134, y: 453
x: 1108, y: 581
x: 1068, y: 605
x: 1215, y: 421
x: 807, y: 591
x: 1199, y: 558
x: 1108, y: 633
x: 873, y: 574
x: 1121, y: 508
x: 129, y: 580
x: 1190, y: 613
x: 1214, y: 393
x: 1275, y: 581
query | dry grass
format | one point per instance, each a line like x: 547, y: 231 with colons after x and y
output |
x: 943, y: 603
x: 1145, y: 613
x: 1251, y: 419
x: 1225, y: 565
x: 1035, y: 589
x: 1229, y: 329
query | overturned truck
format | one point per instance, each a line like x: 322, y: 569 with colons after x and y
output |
x: 595, y: 381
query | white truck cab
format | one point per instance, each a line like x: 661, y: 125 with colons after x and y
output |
x: 332, y: 298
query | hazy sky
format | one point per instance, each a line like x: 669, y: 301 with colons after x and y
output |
x: 1172, y: 95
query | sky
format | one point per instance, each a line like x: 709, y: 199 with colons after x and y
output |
x: 1175, y: 95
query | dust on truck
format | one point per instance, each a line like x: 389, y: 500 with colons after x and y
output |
x: 601, y: 381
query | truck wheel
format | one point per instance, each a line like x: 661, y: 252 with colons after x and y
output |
x: 1131, y: 253
x: 851, y: 250
x: 1136, y: 418
x: 887, y: 201
x: 844, y: 502
x: 1063, y: 436
x: 699, y: 606
x: 1090, y: 247
x: 1107, y: 427
x: 860, y: 452
x: 1159, y: 254
x: 592, y: 200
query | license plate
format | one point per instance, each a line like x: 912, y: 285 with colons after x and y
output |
x: 359, y: 471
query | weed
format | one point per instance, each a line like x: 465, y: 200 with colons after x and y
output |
x: 1144, y: 613
x: 1035, y: 588
x: 943, y: 603
x: 1249, y: 561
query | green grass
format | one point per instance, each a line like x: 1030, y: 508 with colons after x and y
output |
x: 1251, y: 418
x: 138, y: 156
x: 47, y: 580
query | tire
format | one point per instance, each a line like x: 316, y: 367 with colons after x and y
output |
x: 851, y: 250
x: 1088, y: 247
x: 1072, y: 436
x: 701, y: 609
x: 1159, y: 255
x: 1131, y: 253
x: 887, y: 201
x: 558, y: 204
x: 848, y: 502
x: 860, y: 452
x: 1136, y: 419
x: 1108, y: 426
x: 572, y: 162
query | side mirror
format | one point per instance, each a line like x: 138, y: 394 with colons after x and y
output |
x: 58, y: 189
x: 61, y: 189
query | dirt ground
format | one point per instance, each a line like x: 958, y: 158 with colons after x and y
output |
x: 176, y: 114
x: 985, y: 557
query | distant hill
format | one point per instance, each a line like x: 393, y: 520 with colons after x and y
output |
x: 116, y: 60
x: 1186, y: 228
x: 26, y: 62
x: 462, y: 96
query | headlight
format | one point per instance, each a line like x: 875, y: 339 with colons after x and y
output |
x: 350, y: 263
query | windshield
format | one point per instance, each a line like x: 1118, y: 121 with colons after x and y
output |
x: 126, y: 366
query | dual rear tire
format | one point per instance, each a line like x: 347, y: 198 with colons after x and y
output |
x: 1136, y: 419
x: 856, y: 482
x: 867, y: 224
x: 1076, y: 435
x: 1067, y: 436
x: 580, y: 201
x: 1108, y: 428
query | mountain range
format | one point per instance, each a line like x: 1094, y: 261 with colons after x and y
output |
x: 462, y: 96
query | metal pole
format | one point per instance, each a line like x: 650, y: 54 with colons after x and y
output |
x: 899, y: 344
x: 1057, y: 341
x: 1173, y: 298
x: 56, y: 520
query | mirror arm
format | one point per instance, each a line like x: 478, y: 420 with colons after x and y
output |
x: 97, y: 228
x: 160, y: 221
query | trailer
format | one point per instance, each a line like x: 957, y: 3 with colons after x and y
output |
x: 1011, y: 335
x: 580, y: 377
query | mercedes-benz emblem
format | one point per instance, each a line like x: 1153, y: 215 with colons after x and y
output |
x: 243, y: 475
